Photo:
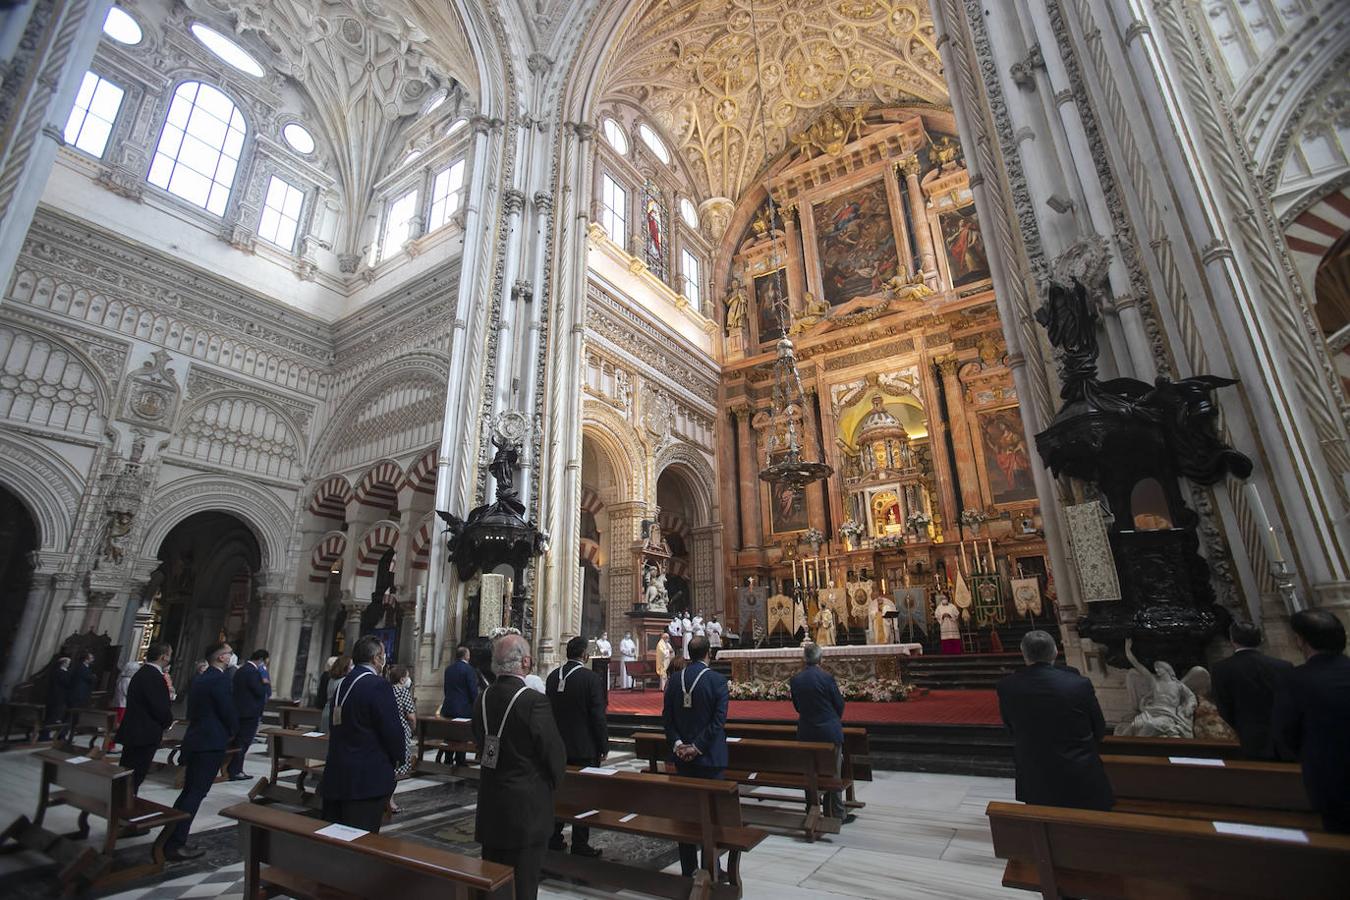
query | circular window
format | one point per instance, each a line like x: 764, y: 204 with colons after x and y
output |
x: 299, y: 138
x: 456, y: 126
x: 435, y: 102
x: 121, y: 27
x: 688, y: 212
x: 614, y: 134
x: 227, y: 50
x: 654, y: 143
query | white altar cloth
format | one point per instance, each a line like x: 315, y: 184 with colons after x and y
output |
x: 854, y: 650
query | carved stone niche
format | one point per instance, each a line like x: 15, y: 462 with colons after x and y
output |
x: 151, y: 395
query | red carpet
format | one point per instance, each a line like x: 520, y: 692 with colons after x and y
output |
x: 934, y: 708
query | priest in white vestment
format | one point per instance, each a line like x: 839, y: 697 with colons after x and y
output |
x: 627, y: 654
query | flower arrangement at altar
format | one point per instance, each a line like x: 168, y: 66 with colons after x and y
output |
x: 889, y: 542
x: 850, y: 532
x: 813, y: 537
x: 866, y: 690
x: 973, y: 518
x: 918, y: 521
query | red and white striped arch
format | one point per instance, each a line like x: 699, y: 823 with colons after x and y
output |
x: 422, y: 473
x: 379, y: 486
x: 381, y: 538
x: 331, y: 498
x: 328, y: 551
x: 590, y: 501
x: 673, y: 524
x: 1312, y: 235
x: 591, y: 553
x: 421, y: 543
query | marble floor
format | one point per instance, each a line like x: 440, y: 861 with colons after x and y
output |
x: 920, y: 836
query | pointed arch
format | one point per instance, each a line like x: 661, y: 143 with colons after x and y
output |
x: 421, y: 475
x: 421, y: 543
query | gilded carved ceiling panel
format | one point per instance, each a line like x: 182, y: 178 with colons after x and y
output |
x: 694, y: 66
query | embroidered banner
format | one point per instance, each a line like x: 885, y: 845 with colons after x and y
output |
x: 1092, y: 551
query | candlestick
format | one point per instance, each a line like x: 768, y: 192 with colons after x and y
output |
x: 1263, y: 522
x: 963, y: 564
x: 991, y: 555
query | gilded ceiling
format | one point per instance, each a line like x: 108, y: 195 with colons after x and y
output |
x: 692, y: 66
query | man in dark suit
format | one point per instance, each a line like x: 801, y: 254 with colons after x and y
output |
x: 250, y: 699
x: 365, y: 742
x: 578, y: 698
x: 1312, y: 715
x: 148, y: 714
x: 820, y: 705
x: 79, y: 691
x: 695, y: 718
x: 515, y: 792
x: 461, y: 690
x: 1244, y: 690
x: 1056, y: 725
x: 211, y: 727
x: 58, y: 686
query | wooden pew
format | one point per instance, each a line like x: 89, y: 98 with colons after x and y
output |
x: 792, y: 765
x: 284, y: 855
x: 689, y: 810
x: 173, y: 742
x: 1118, y: 856
x: 26, y: 718
x: 99, y: 724
x: 292, y: 751
x: 1262, y: 793
x: 77, y: 864
x: 300, y: 718
x: 98, y: 788
x: 857, y: 763
x: 445, y: 736
x: 1120, y: 745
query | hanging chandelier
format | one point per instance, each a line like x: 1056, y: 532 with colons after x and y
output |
x: 789, y: 405
x: 789, y: 400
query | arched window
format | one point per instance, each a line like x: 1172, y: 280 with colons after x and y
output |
x: 688, y: 212
x: 614, y: 134
x: 199, y: 148
x: 654, y: 143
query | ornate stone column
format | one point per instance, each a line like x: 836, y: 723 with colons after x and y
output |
x: 63, y: 613
x: 748, y: 478
x: 939, y: 434
x: 910, y: 167
x: 815, y: 493
x: 98, y: 604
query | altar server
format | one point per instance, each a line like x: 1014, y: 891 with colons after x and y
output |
x: 627, y: 654
x: 714, y: 630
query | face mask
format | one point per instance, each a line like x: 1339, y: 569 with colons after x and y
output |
x: 234, y: 660
x: 407, y: 682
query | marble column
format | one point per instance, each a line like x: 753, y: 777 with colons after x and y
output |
x: 938, y: 435
x: 962, y: 435
x: 351, y: 627
x: 815, y: 493
x: 918, y: 212
x: 64, y: 613
x: 22, y: 658
x: 748, y: 478
x: 98, y: 605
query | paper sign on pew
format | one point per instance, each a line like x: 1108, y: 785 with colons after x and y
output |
x: 342, y: 832
x: 312, y: 734
x: 461, y: 720
x: 599, y: 770
x: 1194, y: 761
x: 1262, y: 831
x: 589, y: 812
x: 76, y: 760
x: 732, y: 740
x: 628, y: 818
x: 144, y: 817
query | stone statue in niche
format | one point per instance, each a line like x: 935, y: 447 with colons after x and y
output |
x: 654, y: 592
x: 736, y: 312
x: 1165, y: 704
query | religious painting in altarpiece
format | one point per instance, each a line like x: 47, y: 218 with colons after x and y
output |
x: 771, y: 298
x: 787, y: 506
x: 1007, y: 463
x: 967, y: 257
x: 856, y: 240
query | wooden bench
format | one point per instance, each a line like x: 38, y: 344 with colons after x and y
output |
x: 300, y: 718
x: 98, y: 788
x: 173, y: 742
x: 446, y: 737
x: 99, y: 724
x: 26, y: 718
x: 755, y: 764
x: 77, y: 864
x: 1120, y: 745
x: 273, y: 707
x: 1262, y: 793
x: 292, y: 751
x: 686, y: 810
x: 857, y: 763
x: 283, y: 854
x: 1118, y: 856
